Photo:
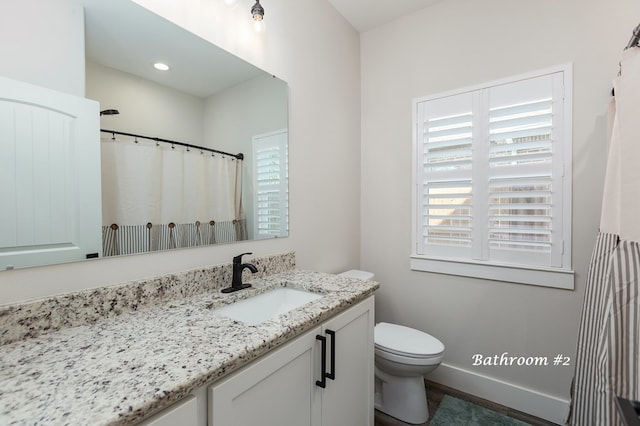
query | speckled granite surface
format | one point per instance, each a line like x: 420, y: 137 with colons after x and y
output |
x: 32, y: 319
x: 122, y: 368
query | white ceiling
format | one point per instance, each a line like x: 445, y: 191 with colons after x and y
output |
x: 367, y: 14
x: 123, y: 35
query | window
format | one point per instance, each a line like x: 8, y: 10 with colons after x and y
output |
x: 492, y: 180
x: 270, y: 171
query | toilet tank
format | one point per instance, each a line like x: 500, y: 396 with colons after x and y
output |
x: 357, y: 274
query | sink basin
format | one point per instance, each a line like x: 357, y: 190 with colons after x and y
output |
x: 265, y: 306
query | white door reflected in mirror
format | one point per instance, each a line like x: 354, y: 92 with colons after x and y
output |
x: 50, y: 184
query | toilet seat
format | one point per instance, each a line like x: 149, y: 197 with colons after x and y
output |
x: 408, y: 360
x: 406, y: 345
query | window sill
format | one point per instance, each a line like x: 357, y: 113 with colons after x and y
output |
x: 550, y: 277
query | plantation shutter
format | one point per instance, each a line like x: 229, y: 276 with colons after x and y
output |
x: 446, y: 132
x: 524, y: 180
x: 270, y: 185
x: 490, y: 177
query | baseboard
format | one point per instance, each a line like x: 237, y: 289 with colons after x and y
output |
x: 528, y: 401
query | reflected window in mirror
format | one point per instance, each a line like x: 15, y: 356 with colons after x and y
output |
x: 271, y: 194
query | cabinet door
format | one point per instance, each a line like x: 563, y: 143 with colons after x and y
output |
x: 348, y: 398
x: 275, y: 390
x: 183, y: 413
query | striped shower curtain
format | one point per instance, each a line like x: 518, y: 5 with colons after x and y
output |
x: 608, y: 356
x: 159, y: 196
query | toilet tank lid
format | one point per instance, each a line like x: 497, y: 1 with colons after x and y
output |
x: 355, y: 273
x: 401, y: 339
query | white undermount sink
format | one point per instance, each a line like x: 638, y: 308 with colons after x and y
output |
x: 266, y: 306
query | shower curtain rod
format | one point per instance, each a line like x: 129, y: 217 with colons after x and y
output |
x: 633, y: 41
x: 239, y: 156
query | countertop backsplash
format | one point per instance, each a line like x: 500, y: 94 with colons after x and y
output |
x: 34, y: 318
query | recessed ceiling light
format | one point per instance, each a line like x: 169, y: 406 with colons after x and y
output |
x: 160, y: 66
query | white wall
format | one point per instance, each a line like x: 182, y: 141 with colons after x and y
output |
x: 322, y: 69
x: 455, y: 44
x: 236, y: 114
x: 146, y: 107
x: 36, y: 49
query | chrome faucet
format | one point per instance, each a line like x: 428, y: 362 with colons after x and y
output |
x: 238, y: 267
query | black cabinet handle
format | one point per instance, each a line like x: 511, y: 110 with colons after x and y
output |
x: 323, y: 362
x: 332, y: 375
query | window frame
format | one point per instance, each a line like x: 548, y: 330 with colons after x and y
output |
x: 541, y: 275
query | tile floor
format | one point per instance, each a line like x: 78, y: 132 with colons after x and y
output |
x: 435, y: 392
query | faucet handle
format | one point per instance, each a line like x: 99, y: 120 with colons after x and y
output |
x: 238, y: 258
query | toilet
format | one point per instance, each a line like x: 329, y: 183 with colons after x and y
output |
x: 403, y: 355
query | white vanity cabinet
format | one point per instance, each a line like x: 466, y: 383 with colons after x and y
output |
x: 285, y: 387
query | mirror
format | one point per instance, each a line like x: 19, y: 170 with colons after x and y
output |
x: 209, y: 99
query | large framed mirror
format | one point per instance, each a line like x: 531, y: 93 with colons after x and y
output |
x: 190, y: 156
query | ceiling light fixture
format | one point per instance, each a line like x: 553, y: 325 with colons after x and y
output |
x: 160, y: 66
x: 257, y: 11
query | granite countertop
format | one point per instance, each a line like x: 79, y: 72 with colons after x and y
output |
x: 124, y: 368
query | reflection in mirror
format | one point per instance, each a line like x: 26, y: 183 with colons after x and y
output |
x: 158, y: 196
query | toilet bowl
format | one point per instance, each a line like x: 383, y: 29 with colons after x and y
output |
x: 403, y: 355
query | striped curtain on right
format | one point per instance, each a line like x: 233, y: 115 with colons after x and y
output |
x: 608, y: 355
